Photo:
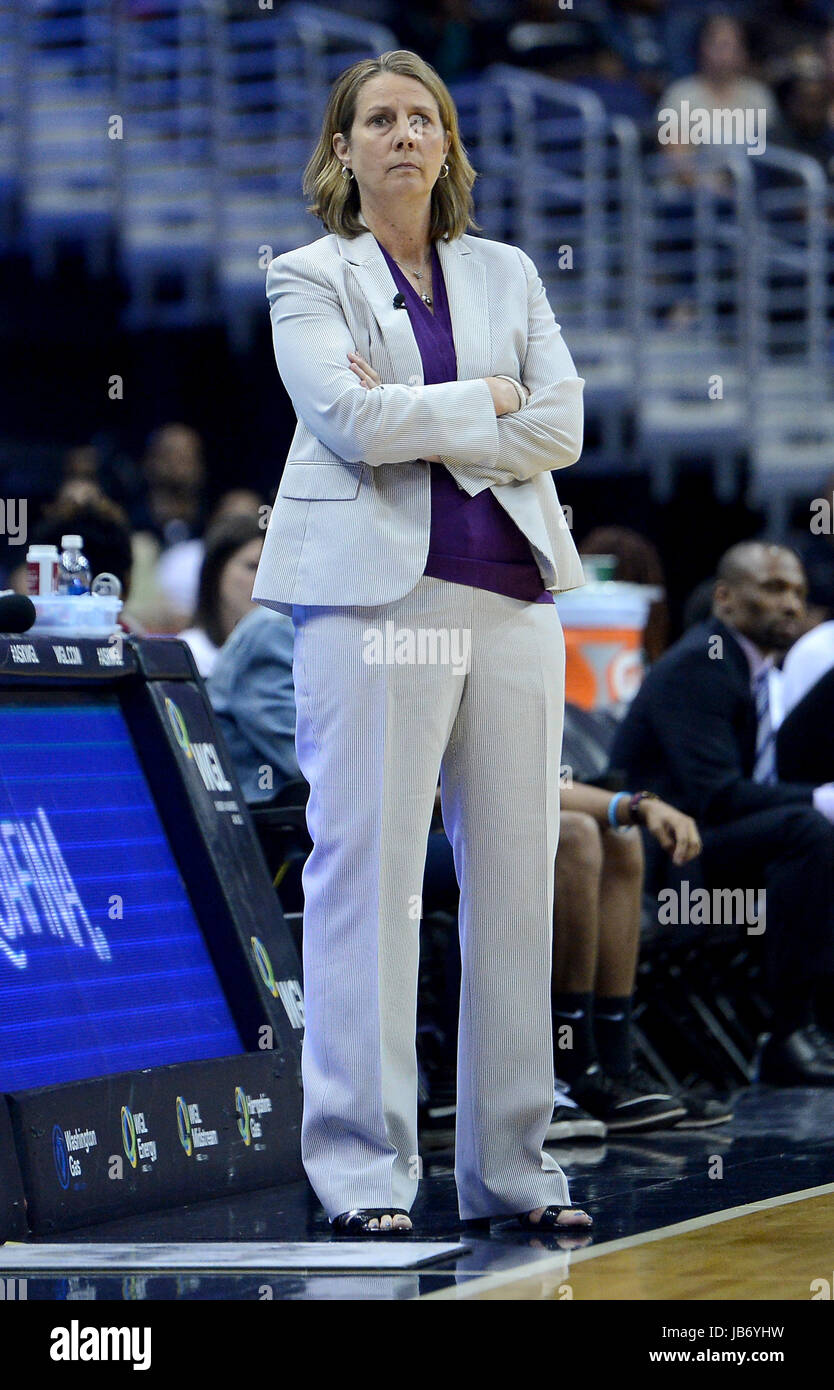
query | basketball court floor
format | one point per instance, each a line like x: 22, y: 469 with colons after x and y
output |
x: 743, y: 1211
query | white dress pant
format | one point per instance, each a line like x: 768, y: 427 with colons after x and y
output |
x: 479, y: 700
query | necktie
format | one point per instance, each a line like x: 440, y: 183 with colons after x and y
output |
x: 764, y: 768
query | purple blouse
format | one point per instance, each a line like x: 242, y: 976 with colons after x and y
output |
x: 473, y: 540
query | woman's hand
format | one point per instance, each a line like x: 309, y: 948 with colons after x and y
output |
x: 674, y: 831
x: 367, y: 376
x: 504, y: 395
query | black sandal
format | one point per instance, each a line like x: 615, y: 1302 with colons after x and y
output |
x: 549, y: 1220
x: 357, y: 1222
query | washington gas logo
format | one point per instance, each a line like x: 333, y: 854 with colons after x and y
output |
x: 129, y: 1136
x: 250, y: 1110
x: 66, y: 1146
x: 60, y: 1153
x: 242, y: 1108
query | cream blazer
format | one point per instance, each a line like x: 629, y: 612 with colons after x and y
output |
x: 351, y: 520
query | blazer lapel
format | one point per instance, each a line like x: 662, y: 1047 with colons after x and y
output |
x: 466, y: 289
x: 377, y: 285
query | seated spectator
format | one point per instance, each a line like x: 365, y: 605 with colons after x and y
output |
x: 699, y: 731
x: 173, y: 511
x: 252, y: 693
x: 637, y: 32
x: 720, y: 83
x: 178, y: 568
x: 175, y: 475
x: 599, y: 893
x: 233, y: 549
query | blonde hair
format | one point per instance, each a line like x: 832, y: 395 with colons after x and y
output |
x: 336, y: 198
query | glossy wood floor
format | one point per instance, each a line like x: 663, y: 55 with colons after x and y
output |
x: 781, y: 1249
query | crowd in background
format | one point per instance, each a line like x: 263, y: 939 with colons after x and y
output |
x: 641, y: 56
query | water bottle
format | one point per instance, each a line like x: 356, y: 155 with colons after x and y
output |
x: 74, y: 574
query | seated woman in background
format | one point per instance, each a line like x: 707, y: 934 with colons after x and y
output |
x: 233, y: 548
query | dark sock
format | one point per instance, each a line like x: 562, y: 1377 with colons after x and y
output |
x: 574, y: 1050
x: 612, y: 1030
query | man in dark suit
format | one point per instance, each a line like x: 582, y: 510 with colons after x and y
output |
x: 699, y: 734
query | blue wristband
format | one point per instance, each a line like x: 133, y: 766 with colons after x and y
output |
x: 612, y: 811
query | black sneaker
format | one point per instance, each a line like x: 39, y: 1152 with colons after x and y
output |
x: 703, y: 1109
x: 621, y: 1106
x: 570, y: 1121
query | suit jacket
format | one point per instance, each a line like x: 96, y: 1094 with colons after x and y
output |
x: 690, y: 732
x: 352, y: 518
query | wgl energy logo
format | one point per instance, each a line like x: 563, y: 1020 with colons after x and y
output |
x: 134, y: 1126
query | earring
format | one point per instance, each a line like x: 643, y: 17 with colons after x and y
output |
x: 347, y: 172
x: 441, y: 175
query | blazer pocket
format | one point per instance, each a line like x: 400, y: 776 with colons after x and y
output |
x: 321, y: 481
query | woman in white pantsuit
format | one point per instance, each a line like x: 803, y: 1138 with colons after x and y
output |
x: 417, y: 541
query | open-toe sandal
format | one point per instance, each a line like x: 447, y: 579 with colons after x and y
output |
x: 549, y: 1221
x: 356, y: 1223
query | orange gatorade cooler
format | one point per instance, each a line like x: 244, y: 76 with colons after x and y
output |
x: 604, y: 622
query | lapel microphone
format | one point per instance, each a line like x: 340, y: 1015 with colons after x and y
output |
x: 399, y: 301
